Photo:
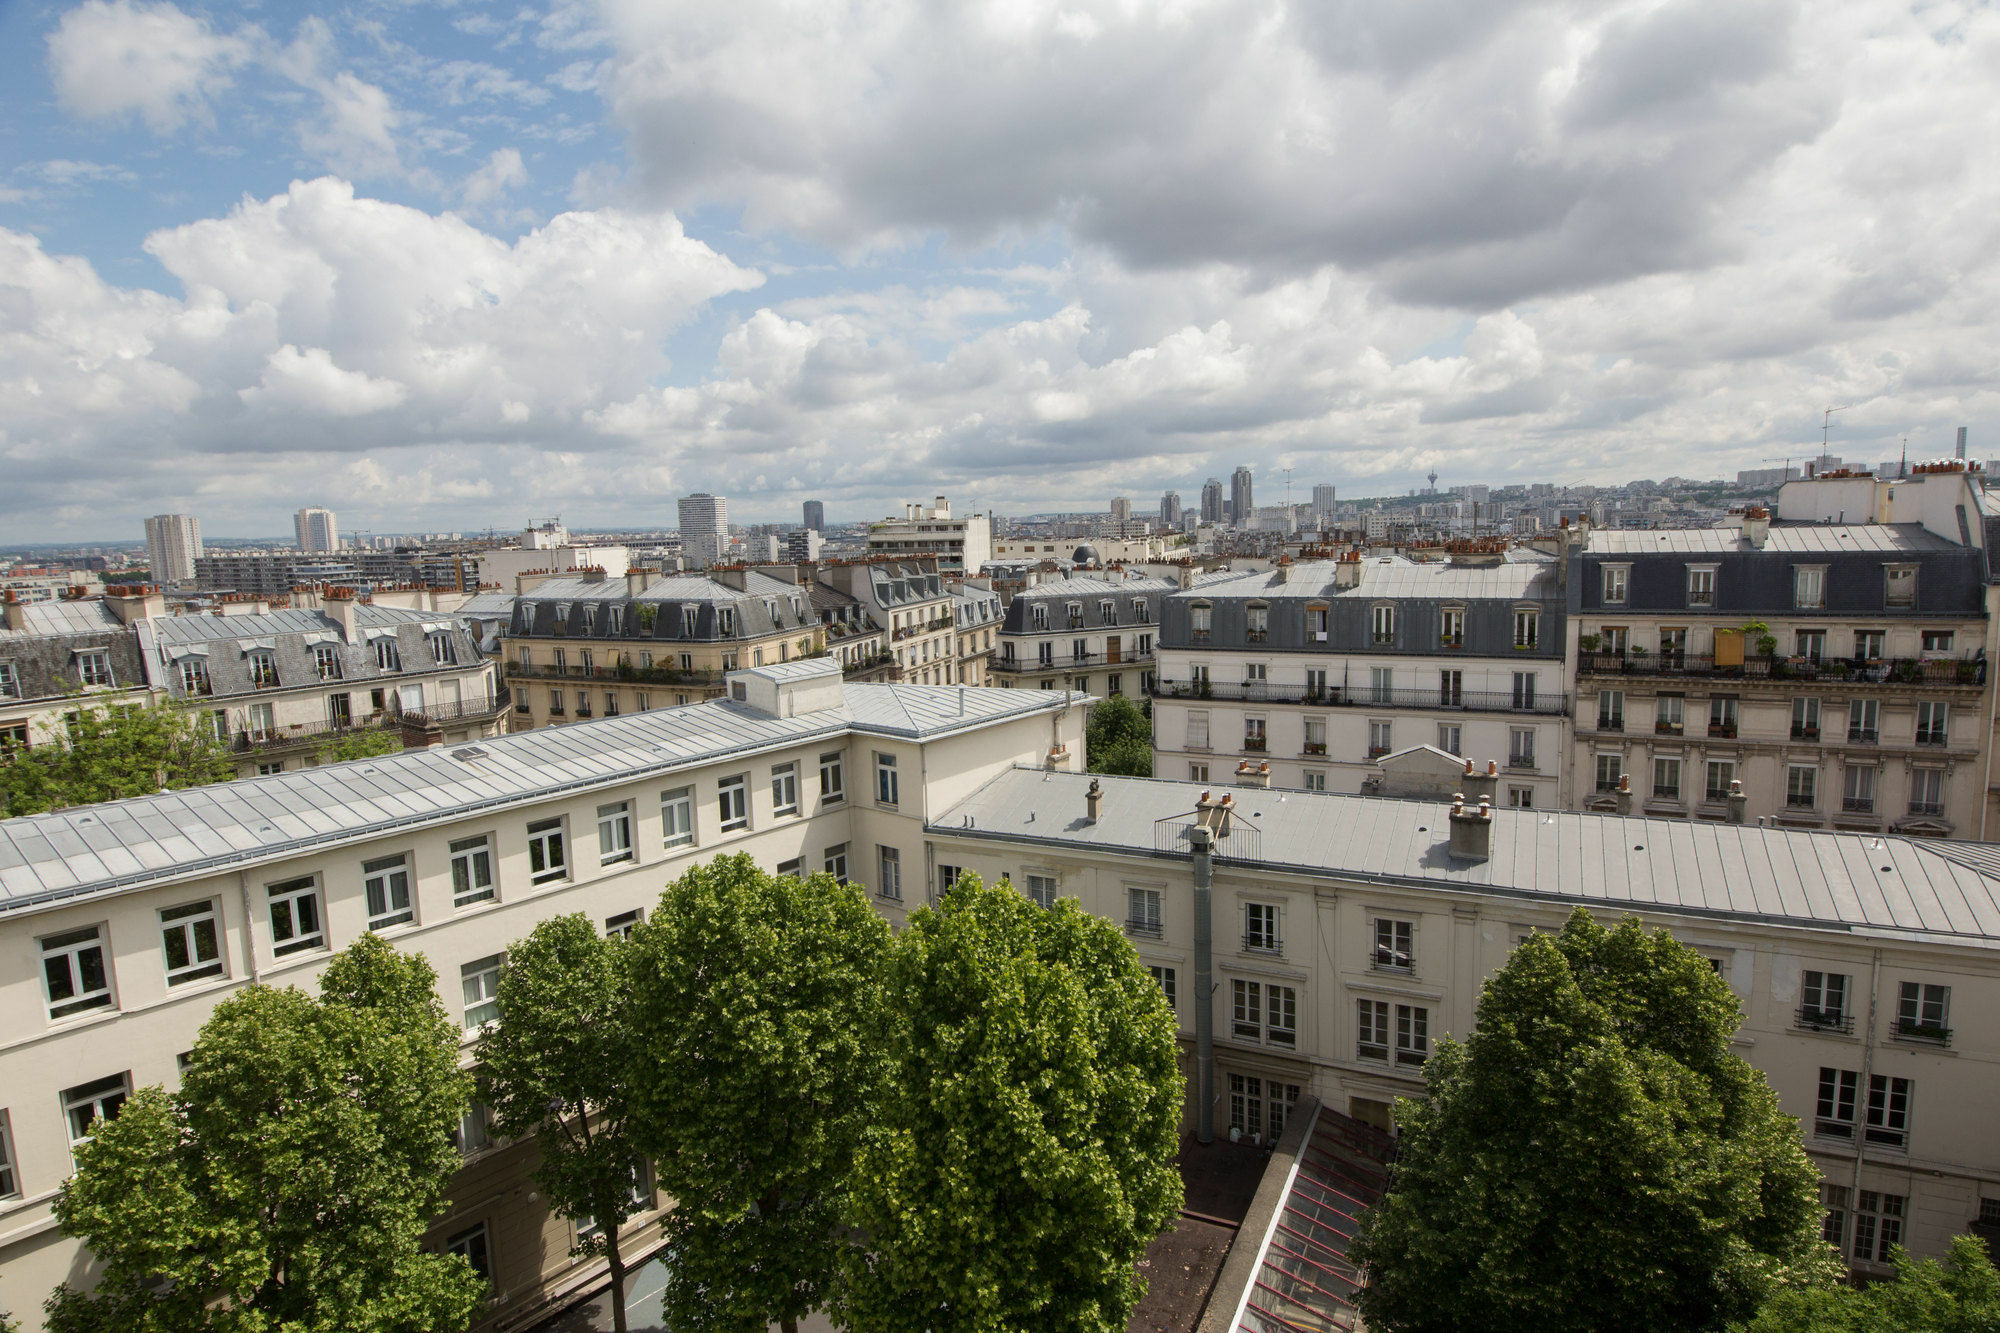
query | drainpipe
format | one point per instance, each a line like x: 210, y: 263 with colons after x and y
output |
x: 1861, y: 1098
x: 249, y: 928
x: 1202, y: 840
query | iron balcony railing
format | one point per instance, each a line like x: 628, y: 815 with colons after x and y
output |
x: 255, y: 740
x: 463, y: 711
x: 1856, y: 670
x: 653, y: 675
x: 1143, y: 927
x: 1240, y: 841
x: 1461, y: 701
x: 1811, y: 1019
x: 1070, y: 661
x: 1908, y: 1029
x: 1256, y: 943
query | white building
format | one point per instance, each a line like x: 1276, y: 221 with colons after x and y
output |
x: 962, y: 545
x: 173, y: 541
x: 704, y: 529
x: 316, y: 530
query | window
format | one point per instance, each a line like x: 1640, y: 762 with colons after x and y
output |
x: 1379, y: 741
x: 74, y: 971
x: 471, y: 871
x: 836, y: 861
x: 1451, y: 628
x: 1809, y: 644
x: 732, y: 802
x: 1926, y: 791
x: 1868, y: 644
x: 1923, y: 1012
x: 1448, y: 737
x: 191, y: 935
x: 1888, y: 1111
x: 1610, y: 768
x: 1899, y: 585
x: 1372, y: 1041
x: 1666, y: 779
x: 1260, y: 928
x: 1932, y: 717
x: 10, y: 681
x: 194, y: 676
x: 1805, y: 719
x: 1315, y: 779
x: 1281, y: 1016
x: 1701, y: 585
x: 677, y: 817
x: 1079, y: 650
x: 1197, y: 772
x: 386, y: 883
x: 556, y: 707
x: 1521, y: 747
x: 611, y: 703
x: 614, y: 833
x: 295, y: 917
x: 1200, y: 620
x: 1257, y: 622
x: 471, y: 1246
x: 1164, y: 976
x: 1722, y: 716
x: 946, y: 876
x: 85, y: 1105
x: 1864, y: 717
x: 1801, y: 787
x: 1413, y: 1034
x: 479, y: 980
x: 548, y: 858
x: 1611, y: 710
x: 1833, y: 1229
x: 1527, y: 629
x: 1721, y: 774
x: 94, y: 667
x: 1393, y: 950
x: 1524, y: 690
x: 1616, y: 579
x: 888, y: 791
x: 1042, y: 890
x: 832, y: 779
x: 1197, y: 731
x: 387, y: 658
x: 1247, y: 1009
x: 1253, y: 735
x: 1878, y: 1225
x: 1142, y: 912
x: 10, y: 1180
x: 1315, y: 742
x: 785, y: 789
x: 1936, y: 641
x: 475, y: 1130
x: 1246, y: 1105
x: 1382, y: 625
x: 1521, y: 798
x: 442, y: 651
x: 1809, y: 587
x: 620, y: 925
x: 1669, y: 715
x: 890, y: 859
x: 1857, y: 794
x: 1823, y: 1000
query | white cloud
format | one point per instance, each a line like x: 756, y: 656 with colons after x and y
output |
x: 310, y: 380
x: 115, y: 57
x: 502, y: 172
x: 355, y: 131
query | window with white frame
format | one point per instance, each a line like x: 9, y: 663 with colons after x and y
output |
x: 1809, y: 587
x: 1617, y: 579
x: 1449, y: 737
x: 1521, y: 798
x: 1666, y: 779
x: 1451, y: 627
x: 832, y: 778
x: 387, y: 657
x: 1822, y: 998
x: 471, y: 871
x: 836, y: 861
x: 889, y: 861
x: 295, y: 916
x: 479, y: 982
x: 785, y: 789
x: 1164, y: 978
x: 1246, y: 1009
x: 1260, y: 1107
x: 614, y: 833
x: 1281, y: 1015
x: 1521, y: 747
x: 1382, y: 624
x: 1041, y: 890
x: 93, y: 667
x: 1413, y: 1034
x: 88, y: 1104
x: 1801, y: 787
x: 10, y: 681
x: 1878, y: 1225
x: 473, y: 1246
x: 442, y: 651
x: 10, y: 1178
x: 1200, y: 620
x: 1926, y: 791
x: 1260, y: 928
x: 1527, y: 629
x: 1857, y: 794
x: 1314, y: 779
x: 475, y: 1130
x: 1933, y: 721
x: 1197, y: 730
x: 548, y: 851
x: 75, y: 975
x: 1142, y: 912
x: 1197, y: 772
x: 1701, y: 585
x: 386, y: 884
x: 677, y: 817
x: 732, y: 802
x: 1611, y: 710
x: 1395, y: 945
x: 194, y: 676
x: 888, y: 787
x: 1888, y: 1121
x: 1372, y: 1029
x: 1379, y: 733
x: 1923, y: 1011
x: 1935, y: 641
x: 620, y: 925
x: 1721, y: 773
x: 191, y: 937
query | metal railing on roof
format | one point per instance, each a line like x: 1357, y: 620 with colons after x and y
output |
x: 1241, y: 840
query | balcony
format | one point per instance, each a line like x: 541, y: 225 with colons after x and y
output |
x: 467, y: 710
x: 1668, y: 729
x: 1930, y: 671
x: 1857, y: 805
x: 1802, y: 733
x: 1521, y: 761
x: 1930, y: 736
x: 655, y: 675
x: 1933, y: 808
x: 1615, y: 722
x: 1072, y: 661
x: 309, y: 734
x: 1930, y: 1034
x: 1722, y: 730
x: 1264, y: 944
x: 1461, y: 701
x: 1863, y: 735
x: 1314, y: 748
x: 1142, y: 927
x: 1824, y: 1020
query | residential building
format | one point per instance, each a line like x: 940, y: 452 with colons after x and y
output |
x: 57, y: 655
x: 960, y: 545
x: 1121, y: 514
x: 1089, y: 633
x: 1322, y: 506
x: 1211, y: 502
x: 1323, y: 668
x: 1351, y: 934
x: 911, y: 602
x: 590, y: 645
x: 815, y: 516
x: 1170, y: 511
x: 853, y: 636
x: 704, y: 529
x: 549, y: 549
x: 126, y: 923
x: 802, y: 546
x: 173, y: 544
x: 979, y: 614
x: 1241, y: 502
x: 316, y: 530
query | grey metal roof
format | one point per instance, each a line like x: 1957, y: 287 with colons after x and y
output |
x: 1391, y: 576
x: 1838, y: 880
x: 62, y: 616
x: 1784, y: 537
x: 1088, y: 585
x: 665, y: 588
x: 213, y: 629
x: 121, y: 844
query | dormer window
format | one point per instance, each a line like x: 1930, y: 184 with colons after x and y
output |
x: 1382, y: 625
x: 263, y: 668
x: 1257, y: 622
x: 527, y: 617
x: 442, y: 651
x: 1201, y: 617
x: 194, y: 676
x: 589, y: 618
x: 690, y: 617
x: 614, y: 619
x: 1617, y: 582
x: 562, y: 616
x: 1039, y: 614
x: 1527, y: 628
x: 387, y: 657
x: 326, y: 661
x: 1076, y: 615
x: 1140, y: 611
x: 725, y: 621
x: 1451, y: 627
x: 1108, y: 610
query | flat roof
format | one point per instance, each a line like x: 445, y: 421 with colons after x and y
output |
x: 145, y: 839
x: 1854, y: 881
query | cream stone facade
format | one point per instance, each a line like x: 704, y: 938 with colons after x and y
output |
x: 452, y: 853
x: 1090, y: 633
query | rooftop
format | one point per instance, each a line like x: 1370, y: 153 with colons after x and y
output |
x: 1800, y: 538
x: 65, y: 616
x: 1394, y: 576
x: 1861, y: 882
x: 121, y: 844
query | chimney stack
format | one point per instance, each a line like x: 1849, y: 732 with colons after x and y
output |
x: 1624, y: 793
x: 1756, y: 525
x: 1739, y: 804
x: 1471, y: 830
x: 1254, y: 773
x: 1347, y: 570
x: 638, y: 578
x: 1093, y: 801
x: 1479, y: 786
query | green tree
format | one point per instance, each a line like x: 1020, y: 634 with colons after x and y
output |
x: 1027, y: 1153
x: 558, y: 1065
x: 1594, y: 1157
x: 111, y: 752
x: 360, y: 744
x: 288, y: 1184
x: 1118, y: 739
x: 752, y: 1082
x: 1959, y: 1295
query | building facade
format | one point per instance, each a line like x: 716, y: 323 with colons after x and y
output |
x: 1170, y: 511
x: 1085, y: 633
x: 173, y: 544
x: 1211, y: 501
x: 960, y: 545
x: 815, y: 516
x: 115, y: 960
x: 704, y: 520
x: 57, y: 655
x: 1241, y: 499
x: 979, y: 616
x: 912, y: 603
x: 316, y: 530
x: 1321, y: 669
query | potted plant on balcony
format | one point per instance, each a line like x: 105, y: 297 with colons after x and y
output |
x: 1589, y: 642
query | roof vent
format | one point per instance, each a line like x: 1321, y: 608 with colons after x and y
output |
x: 468, y: 753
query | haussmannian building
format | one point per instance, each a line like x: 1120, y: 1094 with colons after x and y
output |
x: 1089, y: 633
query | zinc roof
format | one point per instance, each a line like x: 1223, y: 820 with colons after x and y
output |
x: 1798, y: 538
x: 1394, y: 576
x: 119, y: 844
x: 214, y: 629
x: 1837, y: 880
x: 84, y: 616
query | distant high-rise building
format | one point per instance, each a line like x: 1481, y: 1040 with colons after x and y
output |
x: 1170, y: 510
x: 1322, y: 509
x: 1121, y: 512
x: 803, y: 544
x: 704, y: 529
x: 815, y: 516
x: 316, y: 530
x: 172, y: 543
x: 1241, y: 502
x: 1211, y: 500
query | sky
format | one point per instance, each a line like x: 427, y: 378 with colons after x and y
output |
x: 457, y: 265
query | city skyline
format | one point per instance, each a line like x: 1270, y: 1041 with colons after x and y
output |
x: 416, y: 264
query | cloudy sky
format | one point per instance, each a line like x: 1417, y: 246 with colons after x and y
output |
x: 452, y: 265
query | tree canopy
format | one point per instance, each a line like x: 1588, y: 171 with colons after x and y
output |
x: 368, y: 743
x: 757, y: 1072
x: 1594, y: 1156
x: 1118, y: 738
x: 288, y: 1183
x: 1961, y: 1294
x: 113, y: 751
x: 558, y: 1065
x: 1027, y: 1155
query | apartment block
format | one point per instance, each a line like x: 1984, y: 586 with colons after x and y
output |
x: 173, y: 544
x: 960, y: 545
x: 56, y: 655
x: 979, y: 616
x: 1090, y: 634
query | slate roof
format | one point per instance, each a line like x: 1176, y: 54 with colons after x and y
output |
x: 1784, y: 538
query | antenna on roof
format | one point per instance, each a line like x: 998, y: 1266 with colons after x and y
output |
x: 1826, y: 426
